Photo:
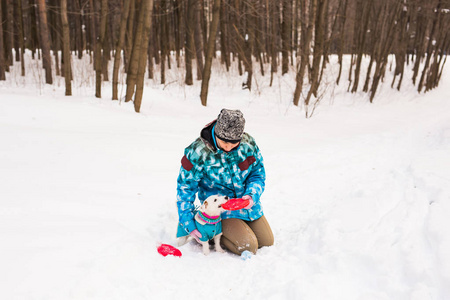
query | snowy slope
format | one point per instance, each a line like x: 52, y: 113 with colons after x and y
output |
x: 358, y: 196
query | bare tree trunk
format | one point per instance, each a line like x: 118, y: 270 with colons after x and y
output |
x: 143, y: 55
x: 9, y: 32
x: 329, y: 36
x: 45, y: 43
x: 153, y: 45
x: 400, y: 48
x: 357, y: 20
x: 274, y: 15
x: 163, y: 41
x: 176, y: 21
x: 361, y: 41
x: 224, y: 46
x: 432, y: 79
x: 443, y: 58
x: 250, y: 42
x: 376, y: 31
x: 119, y: 47
x: 168, y: 36
x: 87, y: 28
x: 296, y: 26
x: 318, y: 49
x: 306, y: 38
x: 55, y: 32
x: 385, y: 42
x: 286, y: 35
x: 259, y: 29
x: 190, y: 46
x: 205, y: 21
x: 15, y: 32
x: 238, y: 32
x: 419, y: 41
x: 93, y: 24
x: 21, y: 37
x: 106, y: 52
x: 34, y: 40
x: 78, y: 29
x: 129, y: 35
x: 342, y: 40
x: 2, y: 50
x: 429, y: 47
x: 209, y: 53
x: 66, y: 47
x: 132, y: 74
x: 156, y: 33
x: 99, y: 49
x: 198, y: 40
x: 150, y: 60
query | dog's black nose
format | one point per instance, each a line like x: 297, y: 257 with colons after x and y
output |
x: 226, y: 197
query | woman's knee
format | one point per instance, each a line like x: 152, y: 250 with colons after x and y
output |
x: 238, y: 236
x: 262, y: 231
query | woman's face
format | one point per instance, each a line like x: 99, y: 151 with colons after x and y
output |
x: 225, y: 146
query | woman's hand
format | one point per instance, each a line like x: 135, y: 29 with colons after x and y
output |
x: 249, y: 198
x: 196, y: 235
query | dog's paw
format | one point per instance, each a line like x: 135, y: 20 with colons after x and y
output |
x: 205, y: 248
x: 182, y: 240
x: 220, y: 249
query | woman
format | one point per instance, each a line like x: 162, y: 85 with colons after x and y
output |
x: 225, y: 161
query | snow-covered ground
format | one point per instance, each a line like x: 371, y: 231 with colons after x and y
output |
x: 358, y: 196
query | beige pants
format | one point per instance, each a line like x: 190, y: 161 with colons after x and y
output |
x: 239, y: 235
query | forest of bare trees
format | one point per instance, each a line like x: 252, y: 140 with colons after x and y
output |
x: 287, y: 35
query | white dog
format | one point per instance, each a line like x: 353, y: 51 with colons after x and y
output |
x: 209, y: 223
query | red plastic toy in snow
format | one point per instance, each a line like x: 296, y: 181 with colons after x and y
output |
x: 165, y: 250
x: 235, y: 204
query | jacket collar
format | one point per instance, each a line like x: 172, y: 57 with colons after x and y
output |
x: 208, y: 219
x: 207, y: 134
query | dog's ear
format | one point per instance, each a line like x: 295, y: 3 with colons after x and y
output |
x: 205, y: 204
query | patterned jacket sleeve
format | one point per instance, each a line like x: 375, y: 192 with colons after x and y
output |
x: 187, y: 187
x: 255, y: 182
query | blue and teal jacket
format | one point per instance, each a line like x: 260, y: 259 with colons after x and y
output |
x: 208, y: 231
x: 207, y: 170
